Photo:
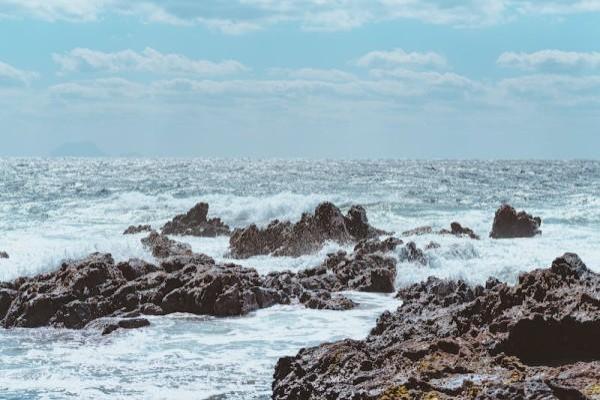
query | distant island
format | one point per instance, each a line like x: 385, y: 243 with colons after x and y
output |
x: 78, y: 149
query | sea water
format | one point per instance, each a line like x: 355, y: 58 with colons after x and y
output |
x: 56, y: 209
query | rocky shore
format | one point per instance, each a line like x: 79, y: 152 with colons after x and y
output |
x: 538, y: 339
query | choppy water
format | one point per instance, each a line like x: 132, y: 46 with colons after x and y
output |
x: 56, y: 209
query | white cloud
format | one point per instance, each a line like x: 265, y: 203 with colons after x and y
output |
x: 399, y: 57
x: 12, y: 75
x: 239, y: 16
x: 550, y: 58
x: 331, y: 75
x: 149, y: 60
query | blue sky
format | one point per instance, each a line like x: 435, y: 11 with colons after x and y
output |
x: 311, y: 78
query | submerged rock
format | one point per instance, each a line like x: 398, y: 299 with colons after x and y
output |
x: 133, y: 229
x: 304, y: 237
x: 510, y: 224
x: 4, y: 255
x: 195, y: 223
x: 109, y: 325
x: 448, y: 340
x: 421, y: 230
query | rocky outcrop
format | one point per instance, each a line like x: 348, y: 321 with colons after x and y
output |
x: 162, y: 247
x: 195, y: 223
x: 134, y: 229
x: 304, y: 237
x: 411, y: 253
x: 508, y: 223
x: 457, y: 229
x: 421, y: 230
x: 448, y: 340
x: 4, y: 255
x: 98, y: 293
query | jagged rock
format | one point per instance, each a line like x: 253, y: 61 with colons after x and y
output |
x: 3, y: 254
x: 80, y: 292
x: 422, y: 230
x: 448, y: 340
x: 133, y: 229
x: 322, y: 300
x: 510, y: 224
x: 411, y: 253
x: 432, y: 246
x: 195, y: 223
x: 367, y: 246
x: 304, y: 237
x: 162, y: 247
x: 457, y: 229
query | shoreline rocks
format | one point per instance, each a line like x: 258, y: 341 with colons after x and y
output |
x: 133, y: 229
x: 508, y: 223
x: 195, y: 223
x: 449, y: 340
x: 308, y: 235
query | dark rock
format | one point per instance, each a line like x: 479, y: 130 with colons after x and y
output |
x: 422, y: 230
x: 432, y: 246
x: 304, y: 237
x: 3, y: 254
x: 367, y: 246
x: 195, y: 223
x: 162, y: 247
x: 137, y: 229
x: 510, y: 224
x: 109, y: 325
x: 411, y: 253
x: 448, y: 340
x: 322, y: 300
x: 457, y: 229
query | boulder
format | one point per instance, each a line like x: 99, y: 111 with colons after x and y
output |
x: 195, y: 223
x: 508, y: 223
x: 4, y: 255
x: 449, y: 340
x: 162, y: 247
x: 457, y: 229
x: 308, y: 235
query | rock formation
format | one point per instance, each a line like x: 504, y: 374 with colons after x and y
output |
x: 195, y: 223
x: 448, y: 340
x: 306, y: 236
x: 133, y: 229
x: 457, y: 229
x: 510, y: 224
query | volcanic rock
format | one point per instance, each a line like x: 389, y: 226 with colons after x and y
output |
x: 457, y: 229
x: 133, y: 229
x: 449, y: 340
x: 510, y: 224
x: 162, y: 247
x: 304, y: 237
x: 195, y: 223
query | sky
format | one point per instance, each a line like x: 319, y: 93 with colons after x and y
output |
x: 302, y: 78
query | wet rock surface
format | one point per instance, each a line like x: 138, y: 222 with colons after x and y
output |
x: 308, y: 235
x: 448, y: 340
x: 134, y: 229
x: 196, y: 223
x: 97, y: 292
x: 508, y: 223
x: 457, y: 229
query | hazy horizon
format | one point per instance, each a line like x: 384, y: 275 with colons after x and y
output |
x: 493, y: 79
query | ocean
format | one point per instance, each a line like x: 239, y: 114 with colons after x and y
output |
x: 56, y: 209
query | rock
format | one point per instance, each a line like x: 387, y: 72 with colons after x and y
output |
x: 83, y: 291
x: 448, y: 340
x: 367, y: 246
x: 422, y: 230
x: 510, y: 224
x: 195, y: 223
x: 411, y: 253
x: 322, y: 300
x: 432, y: 246
x: 4, y: 255
x: 162, y: 247
x: 137, y: 229
x: 457, y: 229
x: 304, y: 237
x: 109, y: 325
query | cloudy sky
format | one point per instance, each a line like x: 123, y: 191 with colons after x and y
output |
x: 302, y: 78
